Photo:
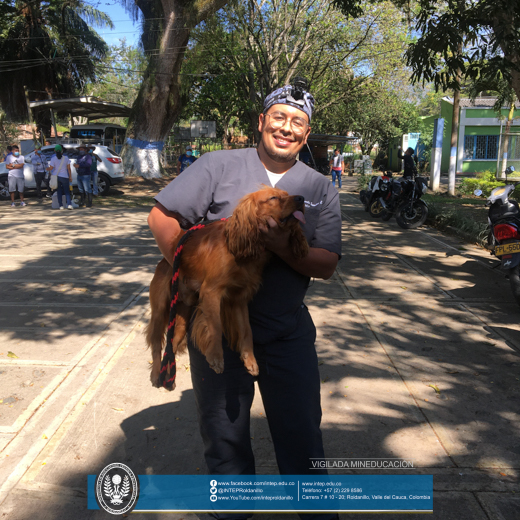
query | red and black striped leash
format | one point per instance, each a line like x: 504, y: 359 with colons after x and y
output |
x: 168, y: 365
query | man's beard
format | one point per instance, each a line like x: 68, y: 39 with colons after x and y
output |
x: 280, y: 156
x: 283, y: 157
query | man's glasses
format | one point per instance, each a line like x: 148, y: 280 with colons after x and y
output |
x: 277, y: 120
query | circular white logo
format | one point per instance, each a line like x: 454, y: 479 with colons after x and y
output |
x: 117, y: 489
x: 213, y: 483
x: 213, y: 490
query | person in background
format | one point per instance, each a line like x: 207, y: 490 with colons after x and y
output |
x: 7, y: 153
x: 336, y: 167
x: 82, y: 165
x: 410, y: 169
x: 40, y: 171
x: 60, y: 165
x: 93, y: 170
x: 15, y: 178
x: 185, y: 160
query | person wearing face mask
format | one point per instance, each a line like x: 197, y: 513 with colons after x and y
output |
x: 83, y: 164
x: 15, y: 178
x: 39, y: 170
x: 60, y: 166
x: 185, y: 160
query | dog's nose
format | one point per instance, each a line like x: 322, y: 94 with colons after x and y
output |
x: 299, y: 199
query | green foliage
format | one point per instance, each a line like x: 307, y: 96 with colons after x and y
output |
x: 118, y: 75
x: 363, y: 181
x: 479, y: 38
x: 373, y: 113
x: 484, y: 181
x: 430, y: 103
x: 49, y: 46
x: 249, y: 49
x: 486, y: 176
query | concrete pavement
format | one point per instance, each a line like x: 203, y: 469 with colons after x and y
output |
x: 407, y: 311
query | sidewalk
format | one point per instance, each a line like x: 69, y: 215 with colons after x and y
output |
x: 405, y: 310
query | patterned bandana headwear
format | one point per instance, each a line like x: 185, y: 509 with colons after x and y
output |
x: 293, y: 95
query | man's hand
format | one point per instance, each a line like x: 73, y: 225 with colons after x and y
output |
x: 276, y: 238
x: 319, y: 263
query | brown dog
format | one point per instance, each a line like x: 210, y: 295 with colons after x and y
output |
x: 220, y: 271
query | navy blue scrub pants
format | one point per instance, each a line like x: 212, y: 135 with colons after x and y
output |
x: 289, y: 383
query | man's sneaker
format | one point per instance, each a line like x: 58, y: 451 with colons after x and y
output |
x: 70, y: 206
x: 61, y: 207
x: 13, y: 204
x: 49, y: 196
x: 23, y: 204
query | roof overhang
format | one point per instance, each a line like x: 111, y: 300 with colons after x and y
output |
x: 88, y: 106
x: 328, y: 140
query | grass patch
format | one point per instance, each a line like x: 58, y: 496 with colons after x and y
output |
x: 362, y: 181
x: 467, y: 215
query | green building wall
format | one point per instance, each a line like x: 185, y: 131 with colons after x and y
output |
x: 474, y: 166
x: 447, y: 115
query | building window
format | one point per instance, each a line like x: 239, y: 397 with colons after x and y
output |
x: 480, y: 147
x: 513, y: 152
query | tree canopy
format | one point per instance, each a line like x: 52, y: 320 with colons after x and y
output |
x: 474, y: 36
x: 48, y: 46
x: 247, y: 50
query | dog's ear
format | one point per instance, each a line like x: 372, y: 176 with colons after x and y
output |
x: 243, y: 237
x: 298, y: 243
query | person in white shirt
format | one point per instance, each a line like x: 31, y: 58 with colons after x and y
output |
x: 336, y: 167
x: 60, y: 166
x: 14, y: 164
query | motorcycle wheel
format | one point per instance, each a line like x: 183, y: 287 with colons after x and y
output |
x: 514, y: 280
x: 376, y: 209
x: 411, y: 216
x: 386, y: 215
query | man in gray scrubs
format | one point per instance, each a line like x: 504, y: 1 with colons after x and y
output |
x: 283, y: 331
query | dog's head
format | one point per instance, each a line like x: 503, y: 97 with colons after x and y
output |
x: 243, y: 236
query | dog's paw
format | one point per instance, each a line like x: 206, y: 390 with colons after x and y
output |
x: 251, y: 366
x: 155, y: 379
x: 217, y: 364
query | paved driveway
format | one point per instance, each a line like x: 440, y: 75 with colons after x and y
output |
x: 418, y: 341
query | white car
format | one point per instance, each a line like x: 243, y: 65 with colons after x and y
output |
x: 110, y: 168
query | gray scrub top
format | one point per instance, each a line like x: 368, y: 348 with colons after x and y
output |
x: 211, y: 188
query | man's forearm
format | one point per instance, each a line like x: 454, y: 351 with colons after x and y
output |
x: 165, y: 229
x: 319, y: 263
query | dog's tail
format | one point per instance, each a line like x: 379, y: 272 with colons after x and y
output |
x: 160, y: 298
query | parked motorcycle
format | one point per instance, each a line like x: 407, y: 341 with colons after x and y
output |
x: 371, y: 196
x: 405, y: 202
x: 504, y: 234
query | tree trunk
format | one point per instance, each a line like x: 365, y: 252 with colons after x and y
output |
x: 158, y: 103
x: 454, y: 138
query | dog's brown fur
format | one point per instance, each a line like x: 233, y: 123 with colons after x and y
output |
x: 220, y: 271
